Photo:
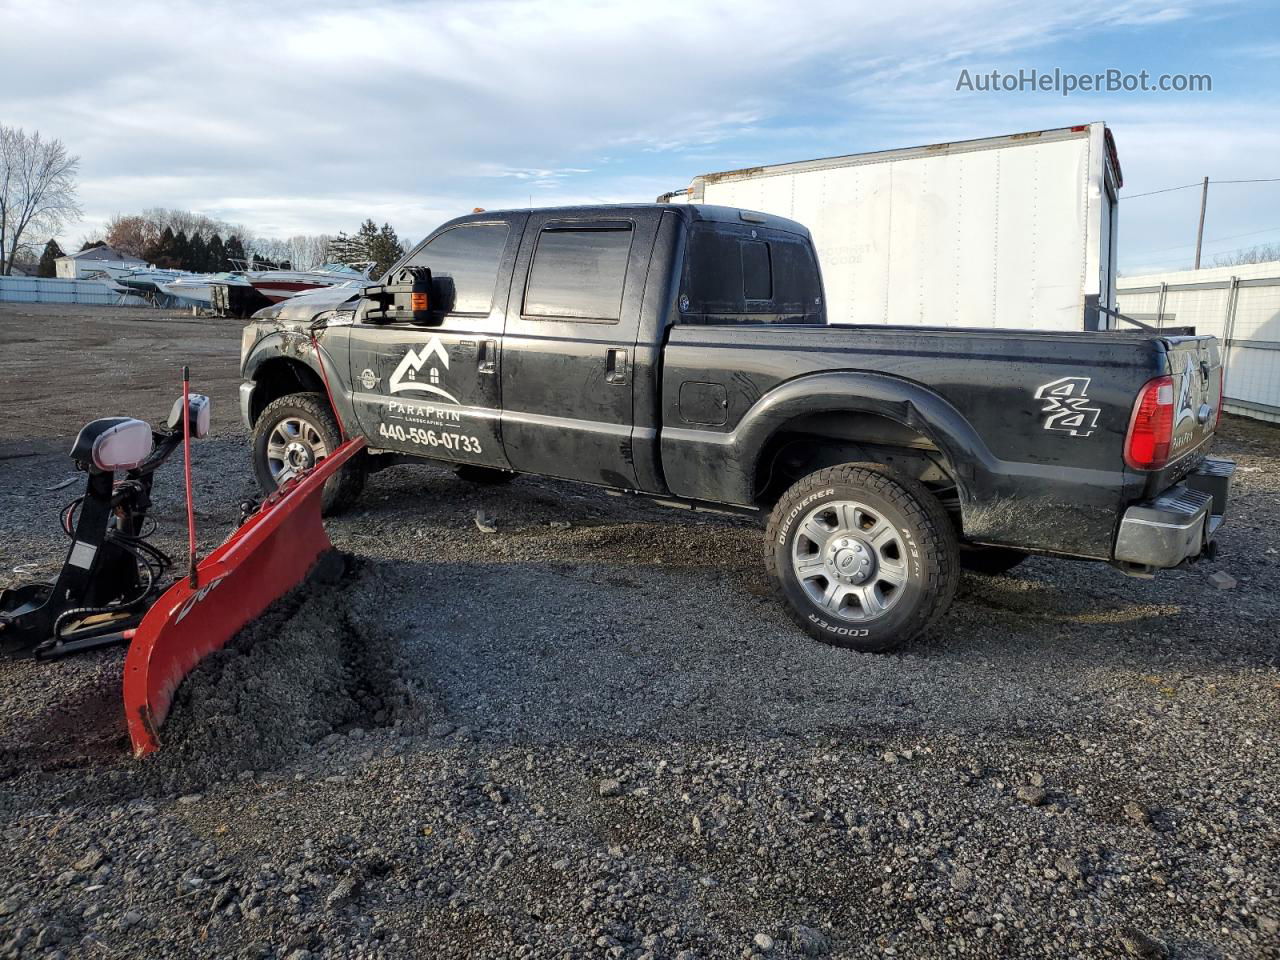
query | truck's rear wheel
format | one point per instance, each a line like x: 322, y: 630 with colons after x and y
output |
x: 292, y: 434
x: 862, y: 558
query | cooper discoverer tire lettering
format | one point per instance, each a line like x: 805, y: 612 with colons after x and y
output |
x: 862, y: 558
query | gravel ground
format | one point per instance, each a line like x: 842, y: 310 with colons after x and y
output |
x: 593, y: 733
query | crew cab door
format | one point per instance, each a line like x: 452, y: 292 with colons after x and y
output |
x: 432, y: 389
x: 569, y: 347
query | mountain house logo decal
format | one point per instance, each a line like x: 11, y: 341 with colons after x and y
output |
x: 1186, y: 406
x: 1066, y: 406
x: 410, y: 378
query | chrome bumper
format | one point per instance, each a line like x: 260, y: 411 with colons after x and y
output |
x: 1179, y: 524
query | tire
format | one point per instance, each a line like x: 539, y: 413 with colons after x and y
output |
x: 303, y: 428
x: 990, y: 560
x: 880, y: 547
x: 489, y: 476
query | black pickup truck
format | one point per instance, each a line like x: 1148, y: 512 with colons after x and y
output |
x: 682, y: 352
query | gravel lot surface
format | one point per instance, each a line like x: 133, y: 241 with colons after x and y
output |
x: 593, y: 732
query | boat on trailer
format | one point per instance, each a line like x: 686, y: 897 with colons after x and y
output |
x: 277, y: 285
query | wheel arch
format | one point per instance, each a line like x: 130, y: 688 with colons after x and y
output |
x: 813, y: 441
x: 279, y: 376
x: 871, y: 415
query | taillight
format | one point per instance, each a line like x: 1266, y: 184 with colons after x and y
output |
x: 1151, y: 429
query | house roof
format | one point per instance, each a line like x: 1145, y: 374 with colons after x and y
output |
x: 100, y: 253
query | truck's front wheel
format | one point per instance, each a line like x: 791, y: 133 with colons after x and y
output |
x: 862, y: 558
x: 291, y: 435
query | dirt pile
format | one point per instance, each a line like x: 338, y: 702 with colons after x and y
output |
x: 319, y: 662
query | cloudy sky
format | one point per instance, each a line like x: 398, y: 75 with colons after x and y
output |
x: 308, y: 117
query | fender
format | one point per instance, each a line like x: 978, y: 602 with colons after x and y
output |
x: 286, y: 343
x: 685, y: 452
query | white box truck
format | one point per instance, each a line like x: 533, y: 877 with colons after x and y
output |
x: 1014, y: 232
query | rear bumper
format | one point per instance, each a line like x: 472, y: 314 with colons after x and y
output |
x: 1180, y: 524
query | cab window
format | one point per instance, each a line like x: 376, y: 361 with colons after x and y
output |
x: 464, y: 263
x: 578, y: 272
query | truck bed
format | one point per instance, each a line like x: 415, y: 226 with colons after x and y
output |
x: 982, y: 401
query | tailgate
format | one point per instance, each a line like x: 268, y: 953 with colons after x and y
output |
x: 1195, y: 363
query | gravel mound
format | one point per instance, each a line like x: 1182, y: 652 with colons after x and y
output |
x: 320, y: 662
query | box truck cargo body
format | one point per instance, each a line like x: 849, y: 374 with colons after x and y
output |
x: 1014, y: 232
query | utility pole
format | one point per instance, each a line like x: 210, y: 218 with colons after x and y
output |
x: 1204, y: 198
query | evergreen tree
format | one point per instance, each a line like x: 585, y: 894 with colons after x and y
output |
x: 344, y: 249
x: 235, y: 250
x: 216, y: 256
x: 367, y: 239
x: 92, y: 245
x: 199, y: 255
x: 160, y: 253
x: 381, y: 246
x: 384, y: 250
x: 181, y: 251
x: 48, y: 268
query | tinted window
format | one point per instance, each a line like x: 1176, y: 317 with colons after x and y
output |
x: 757, y: 271
x: 735, y: 273
x: 464, y: 265
x: 578, y: 272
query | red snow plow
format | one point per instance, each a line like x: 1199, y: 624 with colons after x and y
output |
x: 112, y: 586
x: 269, y: 555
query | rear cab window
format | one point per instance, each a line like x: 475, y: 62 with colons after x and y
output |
x: 743, y: 273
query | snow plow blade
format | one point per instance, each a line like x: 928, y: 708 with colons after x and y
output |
x: 270, y: 554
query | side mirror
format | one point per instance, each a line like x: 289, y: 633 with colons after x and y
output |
x: 405, y: 298
x: 197, y: 410
x: 112, y: 443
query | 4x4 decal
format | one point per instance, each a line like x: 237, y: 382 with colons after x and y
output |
x: 1067, y: 406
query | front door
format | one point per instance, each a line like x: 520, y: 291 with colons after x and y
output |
x: 432, y: 389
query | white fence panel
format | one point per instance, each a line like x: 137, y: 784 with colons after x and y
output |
x: 1238, y: 305
x: 52, y: 290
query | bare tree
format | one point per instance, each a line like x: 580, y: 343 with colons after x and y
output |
x: 307, y: 251
x: 1262, y: 253
x: 37, y: 190
x: 190, y: 223
x: 133, y: 235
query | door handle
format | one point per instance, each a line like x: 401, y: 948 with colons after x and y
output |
x: 487, y: 356
x: 615, y: 365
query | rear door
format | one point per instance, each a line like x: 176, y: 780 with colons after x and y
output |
x: 569, y: 346
x: 432, y: 390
